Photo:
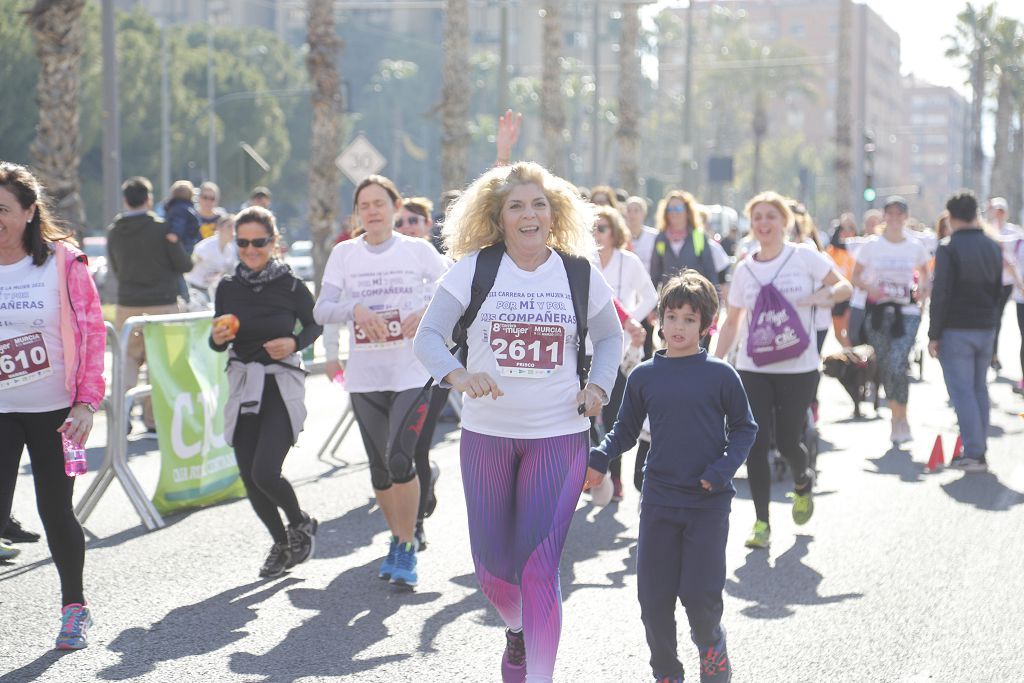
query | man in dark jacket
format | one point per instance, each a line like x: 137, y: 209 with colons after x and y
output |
x: 964, y: 311
x: 147, y: 260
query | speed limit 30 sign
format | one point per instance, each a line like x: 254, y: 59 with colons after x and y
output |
x: 360, y: 159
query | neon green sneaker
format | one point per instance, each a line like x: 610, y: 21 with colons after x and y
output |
x: 8, y: 552
x: 759, y: 536
x: 803, y: 506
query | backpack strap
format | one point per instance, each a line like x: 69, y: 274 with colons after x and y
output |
x: 487, y: 263
x: 578, y: 270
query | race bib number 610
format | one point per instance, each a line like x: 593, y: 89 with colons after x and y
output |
x: 23, y: 359
x: 527, y: 349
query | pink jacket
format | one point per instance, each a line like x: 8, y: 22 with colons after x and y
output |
x: 81, y: 326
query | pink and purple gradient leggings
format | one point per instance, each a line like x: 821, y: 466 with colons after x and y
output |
x: 520, y: 496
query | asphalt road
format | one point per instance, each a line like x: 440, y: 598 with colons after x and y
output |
x: 901, y: 575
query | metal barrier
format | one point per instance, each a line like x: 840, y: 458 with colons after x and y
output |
x: 118, y: 407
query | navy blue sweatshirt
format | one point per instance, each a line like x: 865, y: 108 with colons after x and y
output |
x: 701, y: 428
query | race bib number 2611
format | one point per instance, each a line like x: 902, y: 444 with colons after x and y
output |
x: 527, y: 349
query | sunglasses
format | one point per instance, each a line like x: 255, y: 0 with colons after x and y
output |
x: 259, y: 242
x: 602, y: 227
x: 676, y: 209
x: 412, y: 220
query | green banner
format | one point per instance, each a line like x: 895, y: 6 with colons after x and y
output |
x: 197, y: 467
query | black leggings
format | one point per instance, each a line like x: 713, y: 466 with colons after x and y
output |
x: 64, y: 534
x: 1004, y: 296
x: 390, y: 423
x: 262, y: 441
x: 438, y: 398
x: 608, y: 415
x: 1020, y: 326
x: 781, y: 400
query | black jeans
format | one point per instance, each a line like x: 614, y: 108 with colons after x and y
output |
x: 64, y: 534
x: 262, y: 441
x: 1004, y: 296
x: 438, y: 399
x: 782, y: 401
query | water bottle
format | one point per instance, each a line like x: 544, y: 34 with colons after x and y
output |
x: 74, y: 457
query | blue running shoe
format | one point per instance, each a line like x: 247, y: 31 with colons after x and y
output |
x: 404, y: 571
x: 387, y: 567
x: 75, y: 620
x: 714, y: 662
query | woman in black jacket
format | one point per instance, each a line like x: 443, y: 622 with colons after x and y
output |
x: 265, y: 314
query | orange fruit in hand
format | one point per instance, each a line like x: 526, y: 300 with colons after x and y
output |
x: 228, y: 322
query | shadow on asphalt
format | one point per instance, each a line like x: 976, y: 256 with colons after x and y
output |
x: 590, y: 537
x: 472, y: 602
x: 33, y: 670
x: 190, y: 630
x: 984, y: 491
x: 351, y: 612
x: 774, y: 590
x: 353, y: 530
x: 779, y: 489
x: 899, y: 463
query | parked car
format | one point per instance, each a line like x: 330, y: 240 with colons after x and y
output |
x: 300, y: 257
x: 96, y: 249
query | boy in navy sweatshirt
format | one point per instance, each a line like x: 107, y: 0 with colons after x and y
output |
x: 701, y: 432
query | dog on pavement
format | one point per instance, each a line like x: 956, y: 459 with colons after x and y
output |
x: 856, y: 368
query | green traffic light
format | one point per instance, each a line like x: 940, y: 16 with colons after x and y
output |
x: 869, y: 194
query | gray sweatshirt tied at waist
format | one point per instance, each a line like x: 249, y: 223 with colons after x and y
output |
x: 245, y: 391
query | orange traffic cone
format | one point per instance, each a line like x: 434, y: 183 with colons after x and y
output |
x: 937, y: 459
x: 958, y: 449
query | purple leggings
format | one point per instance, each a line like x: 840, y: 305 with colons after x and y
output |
x: 520, y: 496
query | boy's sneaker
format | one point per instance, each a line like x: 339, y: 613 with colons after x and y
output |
x: 714, y: 663
x: 421, y: 536
x: 759, y: 536
x: 8, y: 552
x: 404, y: 572
x: 969, y: 464
x: 75, y: 620
x: 278, y: 559
x: 388, y: 565
x: 513, y: 661
x: 16, y: 534
x: 302, y: 540
x: 1018, y: 388
x: 668, y: 679
x: 435, y: 472
x: 803, y: 505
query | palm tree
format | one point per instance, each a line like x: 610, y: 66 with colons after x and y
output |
x: 551, y: 106
x: 1007, y: 65
x: 455, y: 96
x: 628, y: 133
x: 322, y: 64
x: 58, y: 30
x: 971, y: 43
x: 844, y: 110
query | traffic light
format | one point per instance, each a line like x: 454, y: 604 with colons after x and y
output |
x: 869, y: 192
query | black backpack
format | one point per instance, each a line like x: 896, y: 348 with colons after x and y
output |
x: 576, y: 267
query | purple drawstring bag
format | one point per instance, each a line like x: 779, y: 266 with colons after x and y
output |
x: 775, y: 332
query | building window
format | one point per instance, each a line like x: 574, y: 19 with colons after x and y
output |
x: 797, y: 30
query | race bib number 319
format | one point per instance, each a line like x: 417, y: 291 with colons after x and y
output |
x: 23, y: 359
x: 527, y: 349
x: 393, y: 320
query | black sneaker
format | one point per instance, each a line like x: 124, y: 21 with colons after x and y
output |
x: 435, y: 472
x: 421, y: 536
x: 302, y: 540
x: 16, y: 534
x: 513, y: 660
x: 277, y: 561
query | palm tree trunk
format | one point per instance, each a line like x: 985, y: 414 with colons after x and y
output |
x: 844, y: 112
x: 551, y: 105
x: 760, y: 127
x: 628, y: 134
x: 1016, y: 195
x: 977, y: 112
x: 1000, y: 183
x: 325, y: 145
x: 56, y: 154
x: 455, y: 96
